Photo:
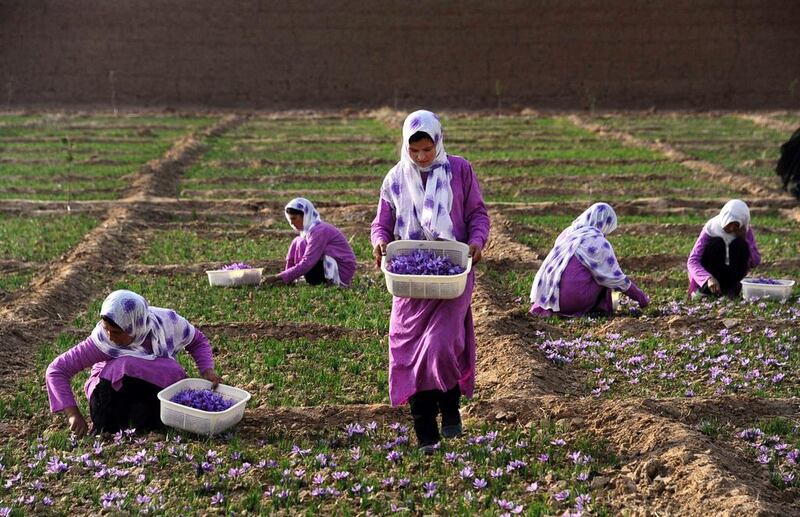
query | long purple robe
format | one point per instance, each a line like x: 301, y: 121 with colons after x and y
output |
x: 432, y: 342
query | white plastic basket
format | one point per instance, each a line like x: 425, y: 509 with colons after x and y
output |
x: 232, y: 277
x: 196, y: 420
x: 780, y: 291
x: 442, y: 287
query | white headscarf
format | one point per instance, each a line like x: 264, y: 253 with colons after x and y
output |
x: 734, y: 210
x: 421, y: 213
x: 585, y: 239
x: 169, y: 333
x: 310, y: 220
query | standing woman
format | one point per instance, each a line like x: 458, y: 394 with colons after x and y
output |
x: 430, y: 195
x: 724, y: 253
x: 580, y: 272
x: 132, y: 355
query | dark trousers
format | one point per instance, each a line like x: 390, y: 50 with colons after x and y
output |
x: 426, y: 406
x: 135, y: 405
x: 317, y: 274
x: 729, y: 275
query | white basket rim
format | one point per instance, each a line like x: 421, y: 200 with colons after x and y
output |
x: 209, y: 271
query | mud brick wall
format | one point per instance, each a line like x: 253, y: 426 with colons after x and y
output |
x: 334, y: 53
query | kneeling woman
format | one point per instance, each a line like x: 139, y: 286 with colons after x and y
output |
x: 321, y: 253
x: 132, y: 355
x: 580, y: 272
x: 724, y: 253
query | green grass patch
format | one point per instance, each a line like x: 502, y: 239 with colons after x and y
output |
x: 43, y: 238
x: 365, y: 305
x: 10, y: 282
x: 302, y: 372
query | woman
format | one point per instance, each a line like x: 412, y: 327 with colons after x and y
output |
x: 580, y: 272
x: 724, y: 253
x: 132, y: 355
x: 320, y: 254
x: 431, y: 195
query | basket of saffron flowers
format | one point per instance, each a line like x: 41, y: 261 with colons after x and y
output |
x: 191, y: 405
x: 761, y: 287
x: 426, y: 269
x: 238, y: 273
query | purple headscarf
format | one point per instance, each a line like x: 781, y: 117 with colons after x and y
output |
x: 169, y: 333
x: 421, y: 213
x: 585, y: 238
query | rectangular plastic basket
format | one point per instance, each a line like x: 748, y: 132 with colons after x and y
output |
x: 428, y: 286
x: 780, y: 291
x: 233, y: 277
x: 197, y: 420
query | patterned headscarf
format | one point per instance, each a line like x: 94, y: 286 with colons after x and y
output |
x: 310, y: 220
x: 734, y: 211
x: 585, y: 238
x: 169, y: 333
x: 421, y: 213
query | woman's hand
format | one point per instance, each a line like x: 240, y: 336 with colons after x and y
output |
x: 77, y: 424
x: 476, y: 253
x: 636, y: 294
x: 378, y: 252
x: 713, y: 285
x: 211, y: 375
x: 271, y: 280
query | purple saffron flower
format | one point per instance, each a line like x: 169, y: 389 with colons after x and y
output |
x: 466, y: 472
x: 56, y: 466
x: 394, y: 456
x: 479, y: 484
x: 533, y: 487
x: 561, y: 496
x: 217, y: 498
x: 353, y: 430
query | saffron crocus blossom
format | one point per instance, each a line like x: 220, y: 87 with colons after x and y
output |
x: 205, y: 400
x: 423, y: 262
x: 236, y: 265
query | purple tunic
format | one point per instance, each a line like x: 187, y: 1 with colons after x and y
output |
x: 161, y: 371
x: 698, y: 275
x: 579, y: 293
x: 432, y: 342
x: 323, y: 239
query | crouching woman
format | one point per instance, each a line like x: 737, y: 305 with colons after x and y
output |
x: 132, y: 353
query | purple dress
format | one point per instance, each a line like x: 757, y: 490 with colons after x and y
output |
x: 698, y: 275
x: 161, y: 371
x: 323, y: 239
x: 580, y: 293
x: 432, y: 342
